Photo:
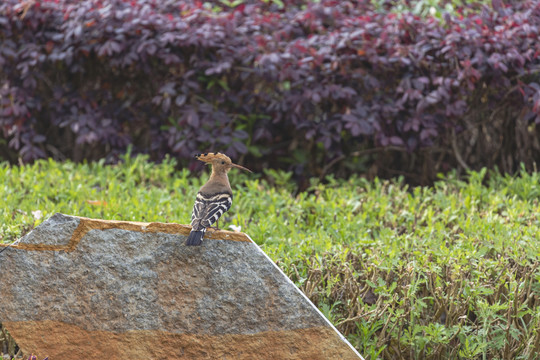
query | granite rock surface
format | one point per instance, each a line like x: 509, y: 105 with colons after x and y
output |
x: 83, y: 288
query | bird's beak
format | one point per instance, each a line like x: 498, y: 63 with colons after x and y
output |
x: 241, y: 167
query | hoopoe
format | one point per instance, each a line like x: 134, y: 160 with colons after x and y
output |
x: 214, y: 198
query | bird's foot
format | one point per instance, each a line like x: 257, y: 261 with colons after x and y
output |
x: 215, y: 228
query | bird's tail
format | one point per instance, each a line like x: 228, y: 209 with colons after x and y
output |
x: 195, y: 237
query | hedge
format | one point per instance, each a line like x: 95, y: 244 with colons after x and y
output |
x: 317, y: 87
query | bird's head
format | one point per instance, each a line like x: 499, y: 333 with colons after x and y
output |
x: 219, y: 161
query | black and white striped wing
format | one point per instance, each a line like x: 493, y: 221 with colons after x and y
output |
x: 209, y: 208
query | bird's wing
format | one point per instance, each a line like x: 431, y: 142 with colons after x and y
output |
x: 208, y: 208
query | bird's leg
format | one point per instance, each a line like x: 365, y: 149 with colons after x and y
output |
x: 216, y: 228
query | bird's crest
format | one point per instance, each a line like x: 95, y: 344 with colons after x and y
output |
x: 209, y: 157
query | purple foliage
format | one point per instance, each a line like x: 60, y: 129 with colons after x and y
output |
x: 87, y: 78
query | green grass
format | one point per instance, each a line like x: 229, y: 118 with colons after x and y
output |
x: 443, y: 272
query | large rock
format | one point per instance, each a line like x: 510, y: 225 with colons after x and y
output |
x: 78, y: 288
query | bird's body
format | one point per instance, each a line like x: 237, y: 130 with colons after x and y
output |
x: 214, y: 198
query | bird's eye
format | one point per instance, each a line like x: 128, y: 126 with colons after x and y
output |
x: 223, y: 162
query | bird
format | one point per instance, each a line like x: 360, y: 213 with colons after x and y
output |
x: 214, y: 198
